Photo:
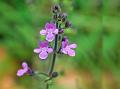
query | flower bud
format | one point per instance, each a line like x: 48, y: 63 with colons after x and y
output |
x: 68, y: 24
x: 59, y: 16
x: 64, y: 38
x: 56, y: 8
x: 54, y: 74
x: 64, y: 17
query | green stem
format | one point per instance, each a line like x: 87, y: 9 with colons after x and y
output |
x: 47, y: 86
x: 44, y: 74
x: 54, y: 54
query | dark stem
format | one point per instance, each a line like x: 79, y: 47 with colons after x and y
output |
x: 54, y: 57
x: 53, y: 63
x: 47, y: 86
x: 54, y: 54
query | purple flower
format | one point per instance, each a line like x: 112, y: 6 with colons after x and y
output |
x: 50, y: 31
x: 43, y: 50
x: 68, y: 48
x: 24, y: 70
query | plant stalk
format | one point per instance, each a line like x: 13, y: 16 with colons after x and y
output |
x: 54, y: 56
x: 55, y: 52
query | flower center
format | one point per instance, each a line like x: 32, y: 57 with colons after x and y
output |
x: 43, y: 49
x: 50, y: 30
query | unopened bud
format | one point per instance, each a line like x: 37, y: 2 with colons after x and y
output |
x: 64, y: 17
x: 64, y: 38
x: 56, y: 8
x: 68, y: 24
x: 54, y: 74
x: 59, y: 16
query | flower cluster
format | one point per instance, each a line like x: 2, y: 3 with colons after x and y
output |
x: 52, y: 31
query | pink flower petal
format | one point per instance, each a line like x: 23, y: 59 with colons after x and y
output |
x: 50, y: 26
x: 43, y: 32
x: 43, y: 55
x: 63, y: 50
x: 20, y: 72
x: 24, y: 65
x: 49, y: 50
x: 50, y: 37
x: 72, y: 45
x: 56, y: 31
x: 71, y: 52
x: 37, y: 50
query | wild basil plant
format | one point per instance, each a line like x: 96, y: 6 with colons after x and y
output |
x: 54, y: 33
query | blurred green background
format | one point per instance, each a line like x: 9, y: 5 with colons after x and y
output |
x: 96, y: 30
